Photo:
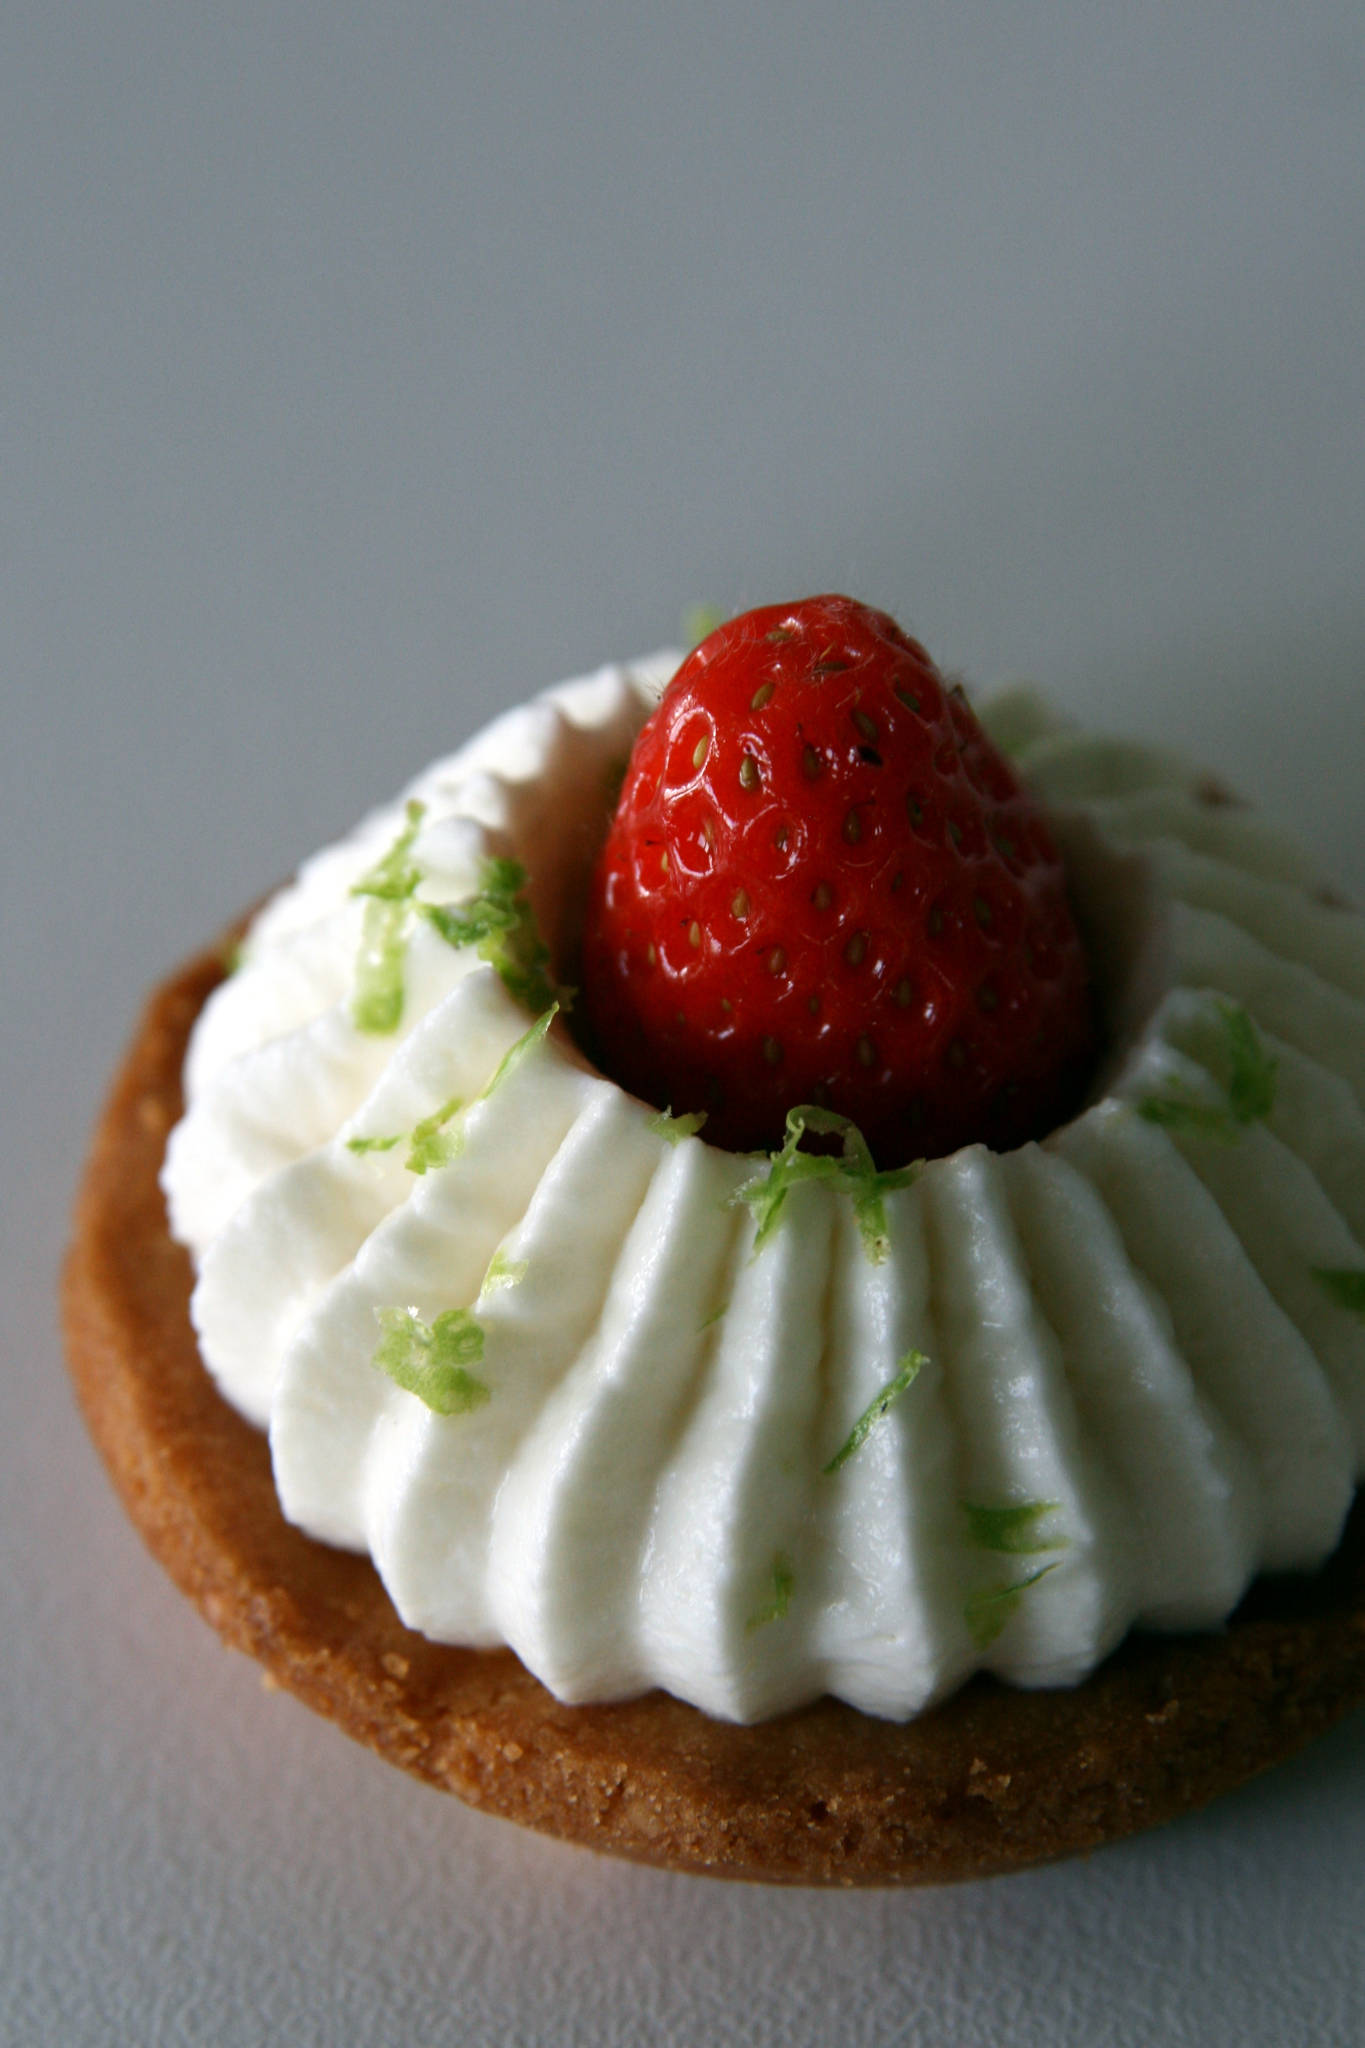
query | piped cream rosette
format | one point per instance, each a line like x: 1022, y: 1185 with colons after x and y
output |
x: 656, y: 1415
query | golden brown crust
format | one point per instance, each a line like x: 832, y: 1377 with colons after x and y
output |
x: 992, y: 1781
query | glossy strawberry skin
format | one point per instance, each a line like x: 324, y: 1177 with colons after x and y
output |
x: 824, y: 884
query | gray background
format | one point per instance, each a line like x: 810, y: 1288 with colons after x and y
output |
x: 365, y: 369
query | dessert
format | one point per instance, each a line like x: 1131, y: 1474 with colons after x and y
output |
x: 801, y: 1432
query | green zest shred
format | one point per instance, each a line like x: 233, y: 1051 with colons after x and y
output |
x: 700, y: 621
x: 394, y: 877
x: 987, y: 1612
x: 1345, y: 1285
x: 1249, y: 1093
x: 907, y: 1373
x: 377, y: 1002
x: 431, y: 1143
x: 434, y: 1142
x: 520, y: 1051
x: 500, y: 922
x: 389, y: 886
x: 783, y: 1586
x: 1011, y: 1531
x: 502, y: 1272
x: 853, y: 1173
x: 432, y: 1360
x: 676, y: 1128
x: 497, y: 919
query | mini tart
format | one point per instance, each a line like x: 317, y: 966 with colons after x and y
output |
x: 992, y: 1781
x: 994, y: 1778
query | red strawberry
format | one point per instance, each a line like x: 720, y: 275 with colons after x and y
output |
x: 824, y: 885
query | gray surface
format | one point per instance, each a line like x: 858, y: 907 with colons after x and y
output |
x: 366, y: 369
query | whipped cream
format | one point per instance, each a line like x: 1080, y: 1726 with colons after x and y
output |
x: 518, y: 1337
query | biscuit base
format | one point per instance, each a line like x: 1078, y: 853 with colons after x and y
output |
x: 992, y: 1781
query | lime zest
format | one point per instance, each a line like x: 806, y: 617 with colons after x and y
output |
x: 700, y: 621
x: 438, y: 1140
x: 907, y: 1372
x: 431, y: 1144
x: 1252, y: 1082
x: 1012, y: 1529
x: 499, y: 921
x: 520, y: 1050
x: 783, y: 1586
x: 675, y: 1128
x: 432, y: 1360
x: 377, y: 1000
x: 389, y: 886
x: 363, y: 1145
x: 1345, y: 1285
x: 394, y: 878
x: 987, y: 1611
x: 853, y: 1174
x: 1249, y: 1093
x: 502, y: 1272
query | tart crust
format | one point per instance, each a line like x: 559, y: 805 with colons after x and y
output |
x: 992, y: 1781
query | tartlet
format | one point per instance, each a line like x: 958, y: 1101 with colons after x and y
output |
x: 994, y: 1777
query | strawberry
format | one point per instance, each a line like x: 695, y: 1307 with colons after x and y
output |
x: 824, y: 885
